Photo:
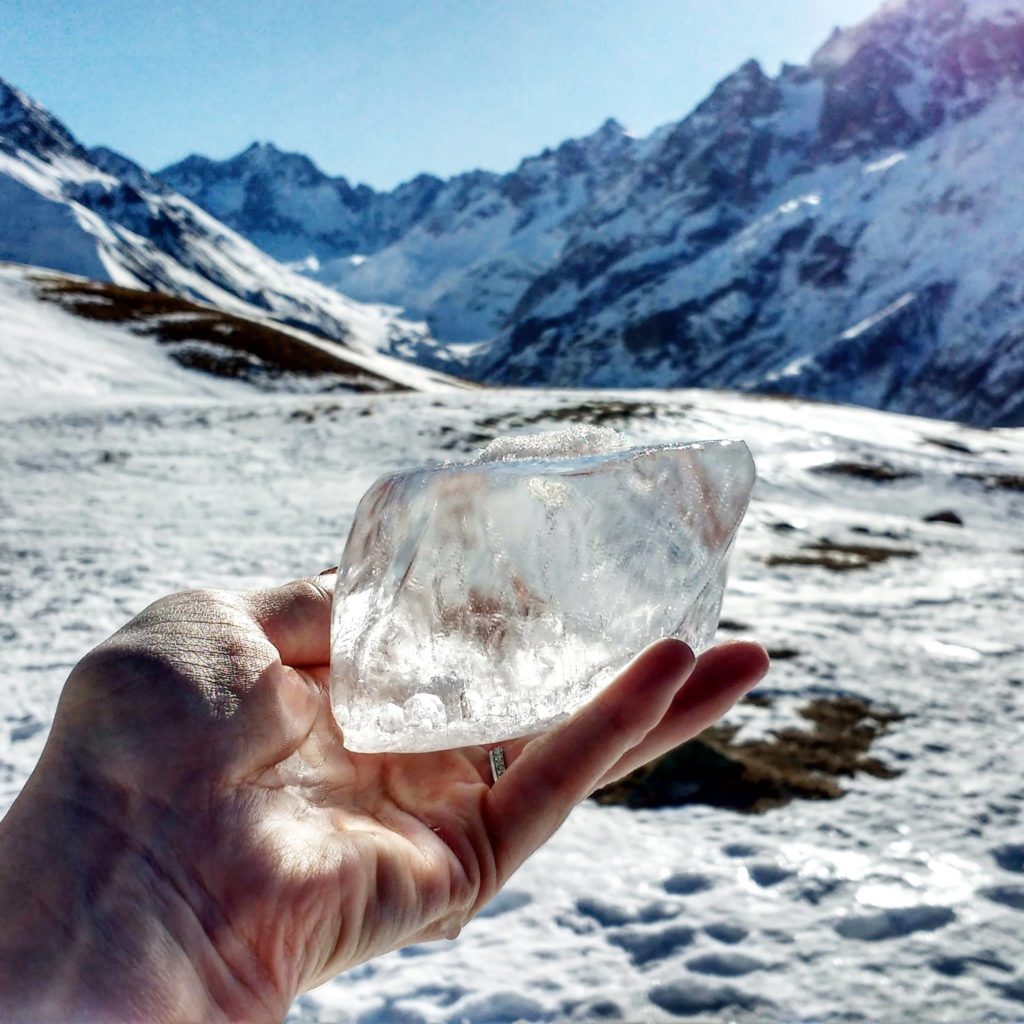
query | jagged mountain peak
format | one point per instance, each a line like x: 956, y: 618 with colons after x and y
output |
x: 611, y: 132
x: 911, y: 29
x: 610, y: 136
x: 611, y: 126
x: 746, y: 93
x: 265, y: 157
x: 126, y: 170
x: 597, y: 154
x: 256, y: 147
x: 26, y: 124
x: 914, y: 64
x: 259, y: 159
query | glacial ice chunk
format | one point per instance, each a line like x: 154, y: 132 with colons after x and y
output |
x: 487, y: 599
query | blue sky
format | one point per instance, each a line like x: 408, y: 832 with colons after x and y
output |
x: 383, y: 89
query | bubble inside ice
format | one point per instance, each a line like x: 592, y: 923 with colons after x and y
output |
x: 487, y: 599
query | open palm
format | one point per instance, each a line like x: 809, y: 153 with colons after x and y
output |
x: 202, y: 735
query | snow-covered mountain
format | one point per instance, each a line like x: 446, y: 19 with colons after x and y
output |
x: 852, y: 229
x: 459, y: 253
x: 97, y: 214
x: 291, y: 209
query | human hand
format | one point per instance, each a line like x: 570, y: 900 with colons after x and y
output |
x: 197, y: 844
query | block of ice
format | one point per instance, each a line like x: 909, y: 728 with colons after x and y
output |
x: 482, y: 600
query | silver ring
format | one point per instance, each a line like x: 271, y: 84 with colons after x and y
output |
x: 497, y: 757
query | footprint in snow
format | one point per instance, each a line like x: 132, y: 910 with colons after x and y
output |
x: 738, y: 850
x: 894, y: 923
x: 727, y: 933
x: 645, y: 946
x: 658, y: 910
x: 1010, y: 857
x: 595, y: 1009
x: 1012, y: 989
x: 767, y: 875
x: 612, y: 915
x: 686, y: 883
x: 724, y: 965
x: 604, y: 913
x: 506, y: 901
x: 955, y: 966
x: 1008, y: 895
x: 24, y: 728
x: 687, y: 999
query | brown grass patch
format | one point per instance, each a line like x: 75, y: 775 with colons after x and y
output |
x: 593, y: 412
x: 757, y: 775
x: 207, y: 339
x: 841, y: 557
x: 997, y: 481
x: 877, y: 472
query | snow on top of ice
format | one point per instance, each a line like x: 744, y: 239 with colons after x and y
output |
x: 579, y: 439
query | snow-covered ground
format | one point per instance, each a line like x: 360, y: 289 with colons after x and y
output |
x: 904, y: 900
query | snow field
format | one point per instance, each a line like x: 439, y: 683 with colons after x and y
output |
x: 902, y: 900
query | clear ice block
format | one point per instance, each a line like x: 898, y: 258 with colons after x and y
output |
x: 483, y: 600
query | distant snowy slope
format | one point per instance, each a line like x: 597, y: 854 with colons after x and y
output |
x: 48, y: 356
x: 891, y: 280
x: 97, y: 214
x: 851, y: 230
x: 67, y: 339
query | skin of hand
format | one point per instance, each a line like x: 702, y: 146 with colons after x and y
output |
x: 196, y: 844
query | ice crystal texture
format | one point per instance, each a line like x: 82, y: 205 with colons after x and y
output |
x: 483, y: 600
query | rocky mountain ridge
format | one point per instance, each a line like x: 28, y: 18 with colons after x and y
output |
x: 850, y: 229
x: 457, y: 252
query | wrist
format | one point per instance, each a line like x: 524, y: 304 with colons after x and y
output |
x: 100, y: 923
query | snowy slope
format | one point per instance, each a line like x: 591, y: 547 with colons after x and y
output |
x: 849, y: 230
x: 49, y: 357
x: 97, y: 214
x: 901, y: 901
x: 892, y: 282
x: 68, y: 339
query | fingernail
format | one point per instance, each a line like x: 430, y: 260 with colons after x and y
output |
x: 327, y: 572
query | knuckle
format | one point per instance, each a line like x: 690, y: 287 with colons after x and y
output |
x: 312, y: 588
x: 281, y: 603
x: 182, y: 606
